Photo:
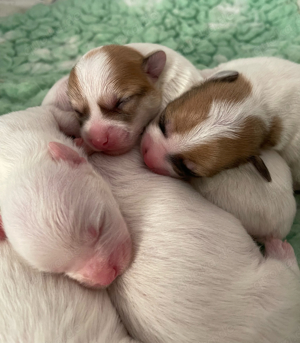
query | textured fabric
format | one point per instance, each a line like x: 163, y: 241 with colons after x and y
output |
x: 40, y: 46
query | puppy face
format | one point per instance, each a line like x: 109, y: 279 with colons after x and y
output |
x: 208, y: 129
x: 115, y: 92
x: 63, y: 218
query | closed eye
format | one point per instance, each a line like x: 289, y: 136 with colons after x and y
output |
x: 121, y: 102
x: 180, y: 168
x: 79, y: 114
x: 162, y: 124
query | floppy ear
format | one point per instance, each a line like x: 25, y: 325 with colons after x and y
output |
x: 154, y: 64
x: 224, y: 76
x: 2, y: 232
x: 58, y: 96
x: 59, y: 151
x: 260, y: 166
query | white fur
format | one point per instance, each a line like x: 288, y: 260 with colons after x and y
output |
x: 265, y: 209
x: 275, y: 92
x: 42, y: 308
x: 48, y: 206
x: 197, y: 276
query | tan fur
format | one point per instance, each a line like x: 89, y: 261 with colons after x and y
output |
x: 193, y: 107
x: 210, y: 158
x: 75, y: 95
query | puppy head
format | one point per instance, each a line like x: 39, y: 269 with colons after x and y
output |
x: 208, y: 129
x: 61, y: 217
x: 115, y: 92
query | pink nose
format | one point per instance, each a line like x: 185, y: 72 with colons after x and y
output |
x: 108, y: 138
x: 154, y: 156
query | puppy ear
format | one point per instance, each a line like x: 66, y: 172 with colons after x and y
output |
x: 260, y: 166
x: 224, y: 76
x: 154, y: 64
x: 59, y: 151
x: 2, y: 232
x: 58, y: 95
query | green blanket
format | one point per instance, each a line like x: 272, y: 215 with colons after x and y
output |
x: 40, y: 46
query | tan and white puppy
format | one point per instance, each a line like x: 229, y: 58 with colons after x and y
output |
x: 117, y: 90
x: 245, y: 106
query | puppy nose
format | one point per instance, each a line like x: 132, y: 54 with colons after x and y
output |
x: 100, y: 142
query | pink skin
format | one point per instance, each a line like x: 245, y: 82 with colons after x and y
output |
x: 277, y: 249
x: 101, y: 272
x: 154, y: 155
x: 111, y: 140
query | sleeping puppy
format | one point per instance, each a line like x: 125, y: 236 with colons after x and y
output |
x: 116, y: 90
x: 196, y: 276
x: 244, y: 106
x: 183, y: 142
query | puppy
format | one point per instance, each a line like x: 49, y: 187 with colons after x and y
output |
x: 265, y: 209
x: 44, y: 308
x: 197, y: 276
x: 57, y: 213
x: 244, y: 106
x: 117, y: 90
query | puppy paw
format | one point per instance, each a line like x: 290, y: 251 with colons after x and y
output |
x: 283, y: 251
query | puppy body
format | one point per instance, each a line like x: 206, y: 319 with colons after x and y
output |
x: 116, y: 90
x: 228, y: 119
x: 265, y: 209
x: 196, y: 274
x: 57, y: 213
x: 44, y: 308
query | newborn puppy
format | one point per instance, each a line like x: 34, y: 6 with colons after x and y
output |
x: 117, y: 89
x: 265, y: 209
x: 57, y: 212
x: 245, y: 106
x: 44, y: 308
x: 197, y: 276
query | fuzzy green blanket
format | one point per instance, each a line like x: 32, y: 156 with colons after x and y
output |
x: 40, y: 46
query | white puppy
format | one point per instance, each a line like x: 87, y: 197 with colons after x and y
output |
x: 265, y: 209
x: 197, y: 276
x: 44, y: 308
x: 57, y: 213
x: 117, y: 89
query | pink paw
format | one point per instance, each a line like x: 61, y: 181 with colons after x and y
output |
x: 276, y: 248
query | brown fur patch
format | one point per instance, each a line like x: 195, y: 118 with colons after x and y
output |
x: 128, y: 79
x: 224, y: 153
x: 76, y: 97
x: 193, y: 107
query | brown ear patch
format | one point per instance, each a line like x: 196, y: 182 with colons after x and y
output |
x: 126, y: 65
x: 128, y: 79
x: 193, y: 107
x: 260, y: 166
x: 224, y: 153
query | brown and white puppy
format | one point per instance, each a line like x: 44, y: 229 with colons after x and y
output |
x: 117, y: 90
x: 248, y: 105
